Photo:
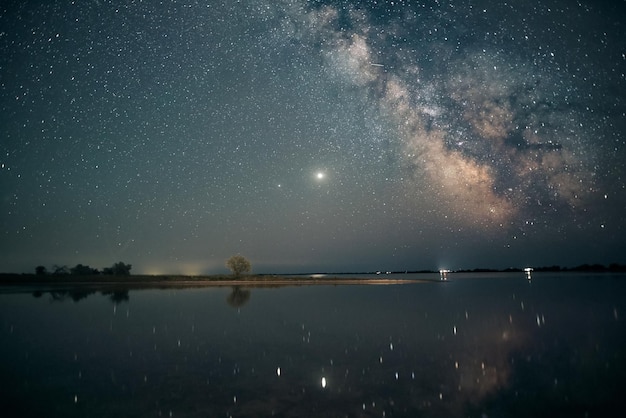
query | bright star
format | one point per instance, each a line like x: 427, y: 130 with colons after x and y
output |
x: 320, y: 175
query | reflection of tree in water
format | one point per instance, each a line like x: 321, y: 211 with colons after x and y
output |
x: 116, y: 296
x: 76, y: 295
x: 238, y: 297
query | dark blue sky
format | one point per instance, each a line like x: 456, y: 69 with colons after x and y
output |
x: 312, y: 135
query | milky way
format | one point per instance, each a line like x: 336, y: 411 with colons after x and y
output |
x: 319, y: 135
x: 489, y: 138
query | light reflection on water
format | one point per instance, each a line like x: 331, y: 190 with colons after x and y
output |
x: 482, y: 346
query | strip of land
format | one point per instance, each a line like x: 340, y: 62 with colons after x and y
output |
x: 143, y: 281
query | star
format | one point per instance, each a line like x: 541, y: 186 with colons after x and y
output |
x: 446, y: 143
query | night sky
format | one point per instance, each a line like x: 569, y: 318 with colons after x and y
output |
x: 312, y: 135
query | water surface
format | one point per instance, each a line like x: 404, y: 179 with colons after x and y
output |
x: 477, y: 345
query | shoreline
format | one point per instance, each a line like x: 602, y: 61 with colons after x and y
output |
x: 17, y: 280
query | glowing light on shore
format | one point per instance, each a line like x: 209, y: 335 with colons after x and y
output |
x: 323, y: 382
x: 153, y: 271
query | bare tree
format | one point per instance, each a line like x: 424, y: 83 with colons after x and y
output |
x: 238, y: 264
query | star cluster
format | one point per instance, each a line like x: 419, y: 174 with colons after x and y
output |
x: 311, y: 135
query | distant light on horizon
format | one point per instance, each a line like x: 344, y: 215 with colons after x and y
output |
x: 185, y: 268
x: 152, y: 272
x: 528, y: 271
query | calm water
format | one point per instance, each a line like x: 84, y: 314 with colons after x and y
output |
x: 496, y: 346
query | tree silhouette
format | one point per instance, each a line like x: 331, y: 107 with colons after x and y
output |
x: 59, y: 270
x: 118, y: 269
x: 41, y: 270
x: 81, y: 270
x: 238, y: 264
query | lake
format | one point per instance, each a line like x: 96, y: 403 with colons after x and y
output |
x: 490, y: 345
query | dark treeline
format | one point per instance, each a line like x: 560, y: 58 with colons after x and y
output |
x: 83, y: 272
x: 117, y: 269
x: 596, y: 268
x: 611, y: 268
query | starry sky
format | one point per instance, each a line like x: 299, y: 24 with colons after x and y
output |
x: 309, y: 136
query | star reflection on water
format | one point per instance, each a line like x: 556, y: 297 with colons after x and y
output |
x: 467, y: 347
